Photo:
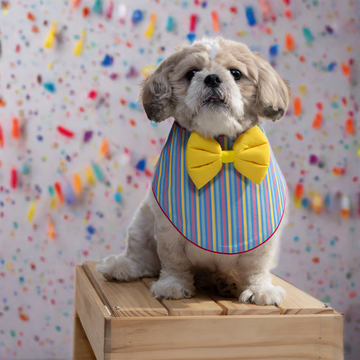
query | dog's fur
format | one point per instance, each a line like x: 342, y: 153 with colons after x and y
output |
x: 154, y: 247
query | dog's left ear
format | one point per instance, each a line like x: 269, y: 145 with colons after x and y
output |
x: 273, y: 93
x: 156, y: 92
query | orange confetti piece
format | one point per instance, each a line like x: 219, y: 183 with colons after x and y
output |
x: 23, y: 317
x: 31, y: 16
x: 2, y: 103
x: 289, y: 42
x: 1, y: 137
x: 77, y: 184
x: 349, y: 126
x: 345, y: 69
x: 35, y: 29
x: 215, y: 21
x: 288, y: 14
x: 51, y: 230
x: 299, y: 136
x: 15, y: 132
x: 104, y: 149
x: 317, y: 121
x: 297, y: 106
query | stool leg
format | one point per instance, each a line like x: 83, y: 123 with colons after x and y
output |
x: 81, y: 347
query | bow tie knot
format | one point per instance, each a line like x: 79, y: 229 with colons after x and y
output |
x: 250, y: 155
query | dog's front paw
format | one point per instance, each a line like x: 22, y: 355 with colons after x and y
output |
x: 171, y: 289
x: 119, y: 268
x: 263, y: 295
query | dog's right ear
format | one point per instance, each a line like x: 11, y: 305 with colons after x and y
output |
x: 156, y: 92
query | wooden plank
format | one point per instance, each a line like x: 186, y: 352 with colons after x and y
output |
x: 199, y: 305
x: 91, y: 311
x: 232, y: 306
x: 81, y: 347
x: 125, y: 299
x: 298, y: 301
x: 226, y: 337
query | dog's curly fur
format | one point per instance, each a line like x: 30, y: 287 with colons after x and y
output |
x: 154, y: 247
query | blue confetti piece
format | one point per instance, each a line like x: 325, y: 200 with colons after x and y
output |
x: 191, y: 37
x: 117, y: 197
x: 98, y: 173
x: 91, y: 230
x: 305, y: 203
x: 108, y: 61
x: 308, y: 35
x: 69, y: 194
x: 274, y: 50
x: 137, y: 16
x: 26, y: 169
x: 327, y: 201
x: 170, y: 24
x: 331, y: 66
x: 97, y: 8
x: 135, y: 105
x: 49, y: 87
x: 250, y: 16
x: 141, y: 165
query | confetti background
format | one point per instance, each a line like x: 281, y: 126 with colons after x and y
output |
x: 57, y: 109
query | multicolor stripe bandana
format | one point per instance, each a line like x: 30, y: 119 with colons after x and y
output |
x: 228, y: 215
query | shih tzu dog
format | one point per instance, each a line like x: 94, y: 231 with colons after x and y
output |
x: 214, y: 214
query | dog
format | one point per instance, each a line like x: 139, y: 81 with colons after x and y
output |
x: 217, y: 91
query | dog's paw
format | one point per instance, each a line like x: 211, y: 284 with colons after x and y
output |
x: 171, y: 289
x: 263, y: 295
x: 119, y: 268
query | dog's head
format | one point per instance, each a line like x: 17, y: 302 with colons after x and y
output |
x: 215, y: 86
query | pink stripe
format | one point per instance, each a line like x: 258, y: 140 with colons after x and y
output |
x: 238, y: 186
x: 192, y: 201
x: 223, y: 220
x: 207, y: 192
x: 178, y: 176
x: 255, y: 220
x: 275, y: 188
x: 267, y: 203
x: 166, y: 186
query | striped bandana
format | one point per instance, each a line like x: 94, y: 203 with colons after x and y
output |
x: 230, y: 214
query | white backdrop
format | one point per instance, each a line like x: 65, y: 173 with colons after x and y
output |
x: 319, y: 253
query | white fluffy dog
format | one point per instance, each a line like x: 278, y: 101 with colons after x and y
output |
x: 214, y: 87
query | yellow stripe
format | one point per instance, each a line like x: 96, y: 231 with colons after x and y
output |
x: 213, y: 213
x: 228, y: 202
x: 159, y: 176
x: 259, y: 213
x: 169, y: 190
x: 244, y: 213
x: 271, y: 203
x: 182, y: 185
x: 278, y: 188
x: 198, y: 217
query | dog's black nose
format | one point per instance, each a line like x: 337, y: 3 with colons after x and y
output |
x: 213, y: 80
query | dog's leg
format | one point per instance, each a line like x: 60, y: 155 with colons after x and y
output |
x: 176, y: 280
x: 140, y: 258
x: 253, y: 277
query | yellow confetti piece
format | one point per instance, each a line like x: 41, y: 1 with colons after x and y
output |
x: 150, y: 30
x: 358, y: 152
x: 89, y: 175
x: 52, y: 203
x: 31, y: 211
x: 78, y: 49
x: 119, y: 189
x: 49, y: 65
x: 49, y: 41
x: 303, y: 89
x: 146, y: 71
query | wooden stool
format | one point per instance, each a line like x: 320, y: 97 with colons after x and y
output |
x: 123, y: 321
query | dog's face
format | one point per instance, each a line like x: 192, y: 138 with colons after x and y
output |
x: 215, y: 86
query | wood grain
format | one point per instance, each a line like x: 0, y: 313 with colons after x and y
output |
x: 91, y: 311
x: 226, y: 337
x: 298, y: 301
x: 199, y: 305
x: 81, y: 347
x: 132, y: 298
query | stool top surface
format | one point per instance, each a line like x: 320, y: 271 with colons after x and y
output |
x: 133, y: 299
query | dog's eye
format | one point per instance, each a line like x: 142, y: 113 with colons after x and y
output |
x: 190, y: 74
x: 236, y: 74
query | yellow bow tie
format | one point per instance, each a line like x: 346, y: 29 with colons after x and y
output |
x: 250, y: 155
